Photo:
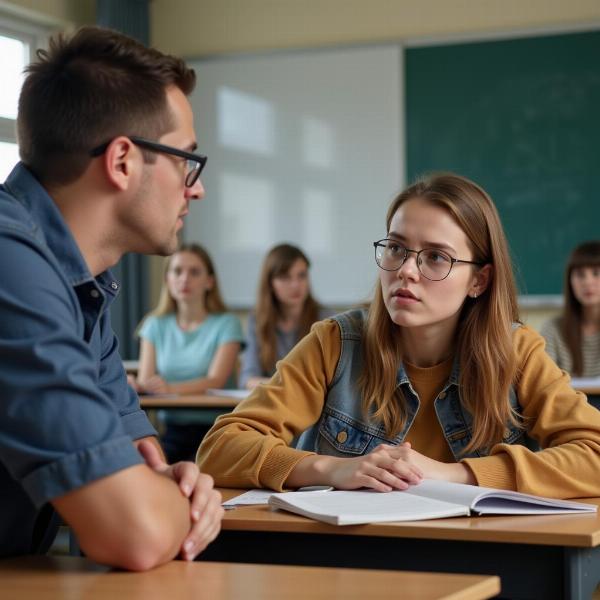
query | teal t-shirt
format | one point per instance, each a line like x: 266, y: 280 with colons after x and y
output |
x: 184, y: 355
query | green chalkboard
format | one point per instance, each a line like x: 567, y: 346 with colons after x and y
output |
x: 522, y: 118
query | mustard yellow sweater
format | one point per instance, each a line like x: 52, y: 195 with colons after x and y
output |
x: 250, y: 447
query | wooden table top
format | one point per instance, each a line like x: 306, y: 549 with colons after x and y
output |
x: 45, y: 578
x: 188, y: 401
x: 589, y: 390
x: 581, y: 530
x: 588, y: 385
x: 210, y: 401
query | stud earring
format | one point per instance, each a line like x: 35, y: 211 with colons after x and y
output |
x: 474, y: 295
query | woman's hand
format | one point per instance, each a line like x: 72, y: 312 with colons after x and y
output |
x: 385, y: 469
x: 434, y: 469
x: 154, y: 385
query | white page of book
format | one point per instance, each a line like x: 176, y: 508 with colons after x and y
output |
x: 491, y: 500
x: 363, y: 506
x: 457, y: 493
x: 249, y: 497
x: 261, y: 496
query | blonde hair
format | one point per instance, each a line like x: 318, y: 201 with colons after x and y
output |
x: 571, y: 321
x: 484, y: 337
x: 213, y: 300
x: 278, y: 262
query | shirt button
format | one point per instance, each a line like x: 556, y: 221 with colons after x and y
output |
x: 94, y: 293
x: 442, y: 395
x: 114, y: 285
x: 341, y: 437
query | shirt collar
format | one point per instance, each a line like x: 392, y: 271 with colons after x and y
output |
x: 27, y: 190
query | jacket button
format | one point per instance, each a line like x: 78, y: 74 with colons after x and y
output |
x: 341, y: 437
x: 442, y: 395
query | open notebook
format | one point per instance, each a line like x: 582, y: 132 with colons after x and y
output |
x: 429, y: 500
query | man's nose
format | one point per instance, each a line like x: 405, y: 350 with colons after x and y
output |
x: 196, y: 192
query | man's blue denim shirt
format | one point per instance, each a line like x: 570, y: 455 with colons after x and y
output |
x: 67, y: 415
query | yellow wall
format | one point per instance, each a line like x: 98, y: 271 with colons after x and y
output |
x: 195, y: 28
x: 60, y: 14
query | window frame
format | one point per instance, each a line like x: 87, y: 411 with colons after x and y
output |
x: 34, y: 36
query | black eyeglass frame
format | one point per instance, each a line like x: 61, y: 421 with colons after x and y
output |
x: 200, y: 159
x: 408, y: 251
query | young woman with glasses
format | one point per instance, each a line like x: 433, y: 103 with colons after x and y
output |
x: 573, y: 338
x: 437, y: 379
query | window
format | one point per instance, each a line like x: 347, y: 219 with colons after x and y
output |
x: 18, y: 42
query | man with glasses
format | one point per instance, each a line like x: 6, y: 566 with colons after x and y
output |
x: 107, y: 145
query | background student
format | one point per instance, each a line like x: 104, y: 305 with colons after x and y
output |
x: 93, y: 185
x: 573, y: 338
x: 284, y: 313
x: 437, y: 379
x: 189, y: 343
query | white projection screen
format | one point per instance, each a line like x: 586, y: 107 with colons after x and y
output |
x: 304, y: 147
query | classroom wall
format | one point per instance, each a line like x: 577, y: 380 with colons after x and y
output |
x: 193, y: 28
x: 213, y: 27
x: 62, y: 14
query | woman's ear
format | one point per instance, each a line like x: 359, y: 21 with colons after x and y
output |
x: 481, y: 280
x: 210, y: 283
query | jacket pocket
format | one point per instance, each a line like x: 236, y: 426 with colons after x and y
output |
x: 343, y: 436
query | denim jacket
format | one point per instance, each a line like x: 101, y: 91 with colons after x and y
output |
x: 342, y: 430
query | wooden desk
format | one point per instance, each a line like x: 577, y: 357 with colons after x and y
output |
x: 188, y: 401
x: 131, y: 366
x: 589, y: 391
x: 548, y: 556
x: 45, y: 578
x: 588, y: 385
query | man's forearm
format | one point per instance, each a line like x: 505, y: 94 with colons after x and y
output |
x: 134, y: 519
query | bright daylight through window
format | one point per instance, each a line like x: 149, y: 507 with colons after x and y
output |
x: 16, y: 47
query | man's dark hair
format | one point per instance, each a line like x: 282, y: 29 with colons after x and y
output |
x: 88, y: 89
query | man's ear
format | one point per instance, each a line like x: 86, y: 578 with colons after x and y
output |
x: 481, y: 280
x: 121, y: 158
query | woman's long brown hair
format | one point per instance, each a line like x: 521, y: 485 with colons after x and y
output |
x: 571, y: 322
x: 268, y: 310
x: 484, y: 337
x: 213, y: 300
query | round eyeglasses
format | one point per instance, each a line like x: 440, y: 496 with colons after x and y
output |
x: 432, y: 263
